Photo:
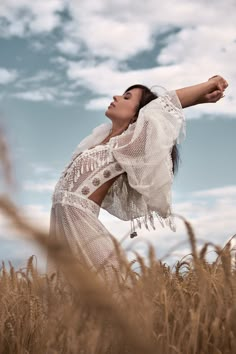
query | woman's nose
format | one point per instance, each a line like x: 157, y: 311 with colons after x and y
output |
x: 115, y: 98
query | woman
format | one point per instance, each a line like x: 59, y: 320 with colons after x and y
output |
x: 126, y: 167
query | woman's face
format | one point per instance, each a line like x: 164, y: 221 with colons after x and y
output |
x: 124, y: 107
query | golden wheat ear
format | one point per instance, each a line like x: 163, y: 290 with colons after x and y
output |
x: 5, y: 160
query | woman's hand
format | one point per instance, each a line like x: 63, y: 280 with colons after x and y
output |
x: 217, y: 86
x: 209, y: 91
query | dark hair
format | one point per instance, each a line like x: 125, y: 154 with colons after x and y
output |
x: 148, y: 96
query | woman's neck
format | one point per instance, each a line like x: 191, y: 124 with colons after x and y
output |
x: 117, y: 128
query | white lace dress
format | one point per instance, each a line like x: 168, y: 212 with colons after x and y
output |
x: 141, y: 159
x: 74, y: 217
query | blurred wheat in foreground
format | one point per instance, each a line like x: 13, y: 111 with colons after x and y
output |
x: 188, y: 309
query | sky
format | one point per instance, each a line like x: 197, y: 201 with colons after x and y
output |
x: 62, y: 61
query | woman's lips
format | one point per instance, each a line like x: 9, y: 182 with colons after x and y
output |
x: 112, y: 104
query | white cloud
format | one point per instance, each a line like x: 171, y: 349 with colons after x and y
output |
x: 57, y: 94
x: 7, y: 76
x: 40, y: 169
x: 59, y: 60
x: 68, y: 47
x: 37, y: 46
x: 111, y: 35
x: 106, y: 78
x: 201, y: 36
x: 23, y: 17
x: 106, y: 34
x: 115, y: 23
x: 36, y: 79
x: 45, y: 86
x: 35, y: 96
x: 98, y: 103
x: 208, y: 47
x: 39, y: 187
x: 228, y: 191
x: 107, y: 29
x: 116, y: 32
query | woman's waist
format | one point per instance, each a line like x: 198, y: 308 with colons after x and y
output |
x: 76, y: 200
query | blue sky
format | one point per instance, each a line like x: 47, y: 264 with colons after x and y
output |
x: 60, y: 64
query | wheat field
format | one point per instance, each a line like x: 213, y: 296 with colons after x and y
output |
x: 190, y: 308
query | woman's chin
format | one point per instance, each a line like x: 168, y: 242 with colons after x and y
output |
x: 107, y: 113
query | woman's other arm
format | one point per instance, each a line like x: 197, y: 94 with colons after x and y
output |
x: 207, y: 92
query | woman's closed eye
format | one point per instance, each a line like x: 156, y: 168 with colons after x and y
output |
x: 127, y: 96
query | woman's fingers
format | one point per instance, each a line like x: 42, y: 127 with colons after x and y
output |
x: 222, y: 85
x: 225, y: 84
x: 213, y: 77
x: 215, y: 96
x: 220, y: 82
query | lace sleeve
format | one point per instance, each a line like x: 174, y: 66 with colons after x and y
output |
x: 175, y: 102
x: 144, y: 151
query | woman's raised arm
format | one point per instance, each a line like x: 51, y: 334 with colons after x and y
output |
x: 207, y: 92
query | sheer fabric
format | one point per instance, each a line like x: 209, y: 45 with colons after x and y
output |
x: 79, y: 230
x: 141, y: 158
x: 143, y: 192
x: 74, y: 218
x: 144, y: 152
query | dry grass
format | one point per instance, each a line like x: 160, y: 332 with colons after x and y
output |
x: 189, y: 309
